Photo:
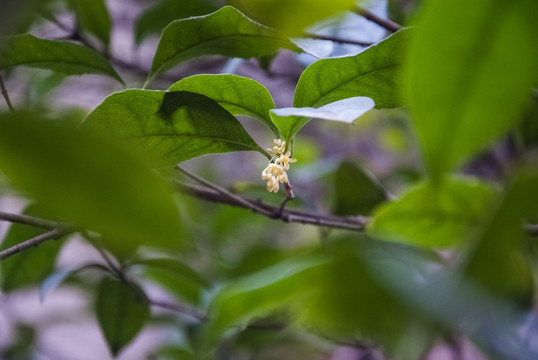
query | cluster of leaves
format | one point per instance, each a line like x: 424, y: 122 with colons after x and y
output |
x: 465, y: 86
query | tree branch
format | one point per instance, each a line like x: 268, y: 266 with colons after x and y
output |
x: 53, y: 234
x: 337, y: 40
x: 6, y: 95
x: 385, y: 23
x: 29, y: 220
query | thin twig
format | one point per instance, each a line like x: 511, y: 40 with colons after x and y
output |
x: 224, y: 192
x: 53, y: 234
x: 337, y: 40
x: 182, y: 309
x: 29, y: 220
x: 6, y: 95
x: 385, y: 23
x: 348, y: 223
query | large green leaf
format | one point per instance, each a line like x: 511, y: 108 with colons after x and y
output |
x: 373, y: 73
x: 93, y: 17
x: 170, y: 126
x: 356, y: 191
x: 60, y: 56
x: 239, y: 95
x: 90, y: 181
x: 120, y: 313
x: 471, y: 69
x: 30, y: 266
x: 436, y: 215
x: 225, y: 32
x: 290, y: 120
x: 163, y: 12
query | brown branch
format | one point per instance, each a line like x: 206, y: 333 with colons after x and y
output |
x: 337, y: 40
x: 273, y: 212
x: 6, y: 95
x: 385, y: 23
x: 29, y: 220
x: 53, y: 234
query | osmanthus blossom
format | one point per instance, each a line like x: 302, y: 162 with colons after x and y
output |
x: 275, y: 172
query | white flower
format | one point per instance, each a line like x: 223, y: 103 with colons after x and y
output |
x: 275, y: 172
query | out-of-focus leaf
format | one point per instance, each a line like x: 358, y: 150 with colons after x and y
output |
x: 93, y: 17
x: 225, y: 32
x: 174, y: 276
x: 154, y: 19
x: 498, y: 262
x: 356, y: 191
x: 120, y: 314
x: 292, y: 17
x: 23, y: 345
x: 32, y: 265
x: 90, y: 181
x: 170, y: 126
x: 435, y: 215
x: 239, y: 95
x: 467, y: 86
x: 373, y: 73
x: 290, y: 120
x: 59, y: 56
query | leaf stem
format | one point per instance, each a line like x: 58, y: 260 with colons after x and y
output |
x: 6, y: 95
x: 385, y: 23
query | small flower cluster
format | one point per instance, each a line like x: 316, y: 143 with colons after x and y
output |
x: 275, y: 172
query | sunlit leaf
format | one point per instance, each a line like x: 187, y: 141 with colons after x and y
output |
x: 356, y: 191
x: 436, y: 215
x: 163, y: 12
x: 90, y: 181
x: 60, y: 56
x: 290, y: 120
x: 239, y: 95
x: 225, y: 32
x: 32, y: 265
x: 121, y: 315
x: 373, y: 73
x: 93, y: 17
x: 470, y: 74
x: 170, y: 126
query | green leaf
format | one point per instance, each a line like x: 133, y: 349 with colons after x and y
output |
x: 32, y: 265
x: 239, y: 95
x: 435, y: 215
x: 356, y: 191
x: 373, y: 73
x: 120, y: 314
x: 290, y: 120
x: 60, y: 56
x: 176, y: 277
x: 170, y: 126
x: 90, y: 181
x: 155, y: 19
x: 93, y: 17
x: 225, y: 32
x: 468, y: 85
x: 499, y: 263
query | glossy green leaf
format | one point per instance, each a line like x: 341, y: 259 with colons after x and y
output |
x: 290, y: 120
x: 239, y: 95
x: 155, y: 19
x: 93, y: 17
x: 170, y: 126
x: 356, y: 191
x: 60, y: 56
x: 292, y: 17
x: 499, y: 263
x: 374, y: 73
x: 225, y: 32
x: 121, y: 315
x: 435, y: 215
x: 470, y: 74
x: 32, y: 265
x: 90, y: 181
x: 175, y: 277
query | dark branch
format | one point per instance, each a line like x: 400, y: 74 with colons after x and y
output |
x: 29, y: 220
x: 53, y: 234
x: 337, y: 40
x: 385, y: 23
x: 6, y: 95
